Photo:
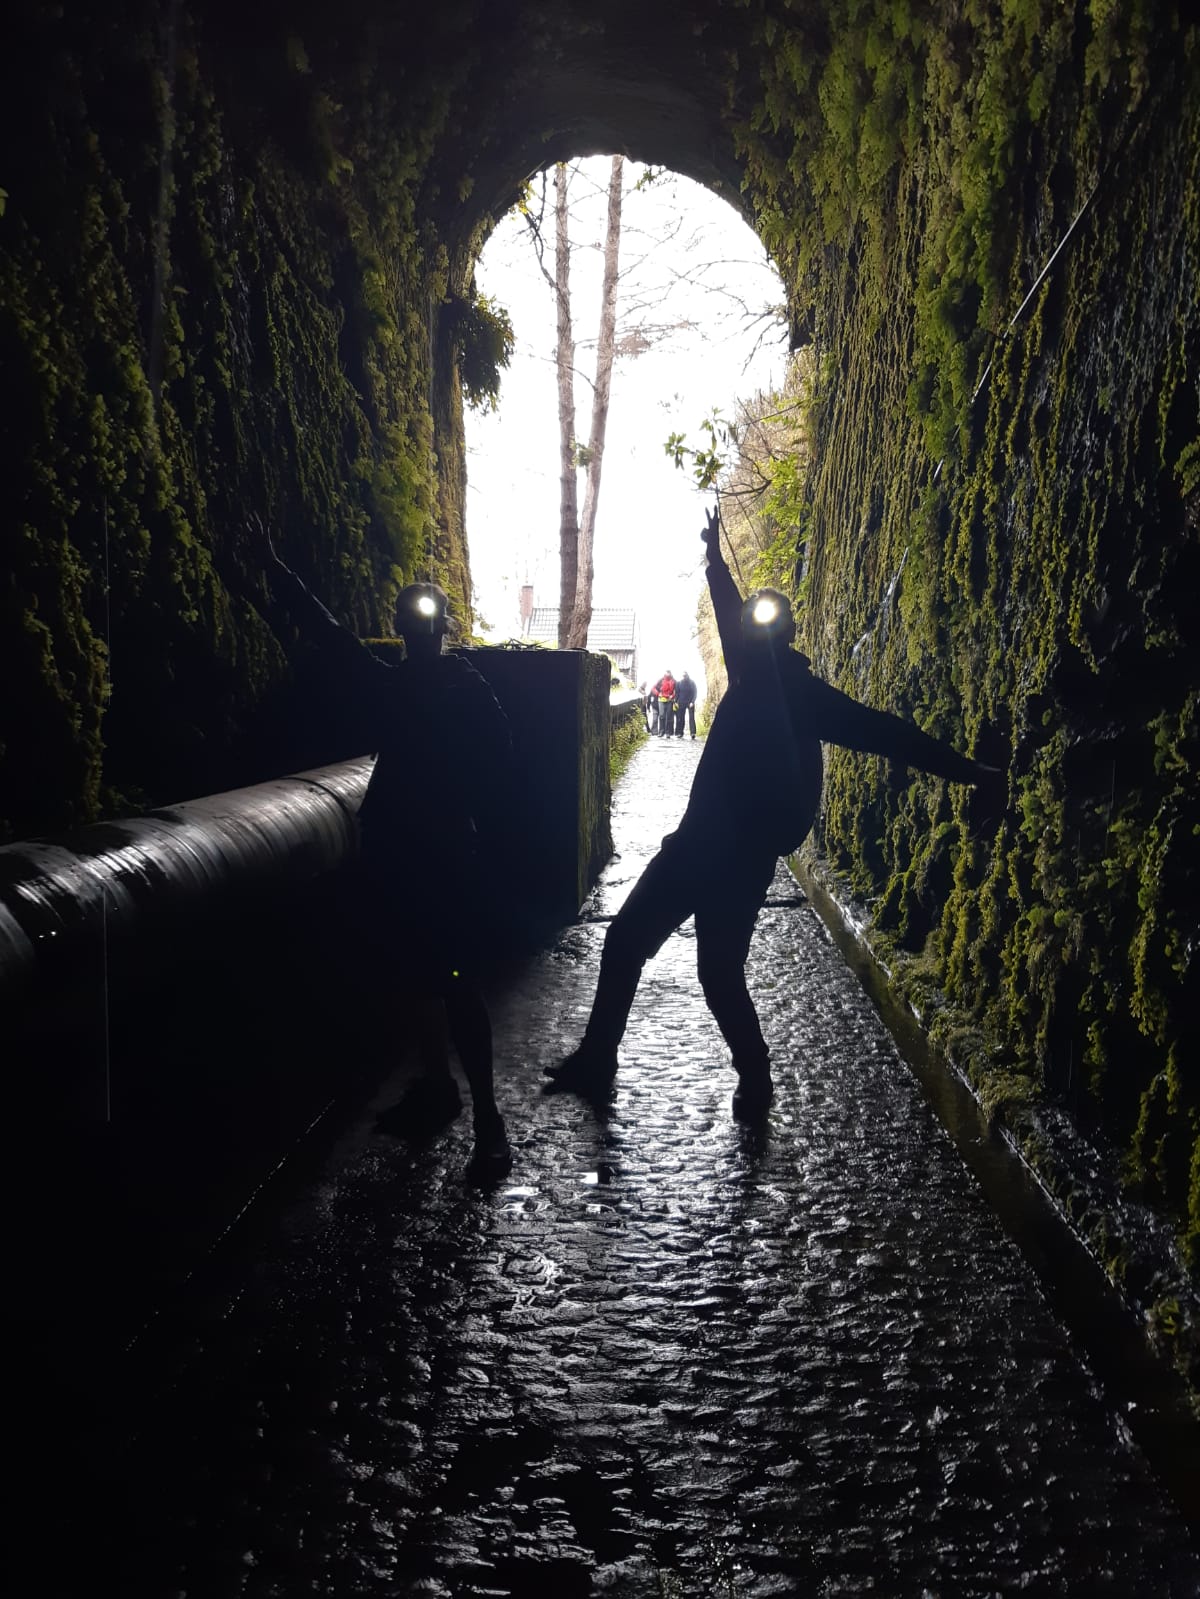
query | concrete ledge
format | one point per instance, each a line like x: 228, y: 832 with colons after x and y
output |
x: 1076, y: 1181
x: 558, y: 837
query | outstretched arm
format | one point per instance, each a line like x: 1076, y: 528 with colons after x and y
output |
x: 727, y: 602
x: 838, y: 719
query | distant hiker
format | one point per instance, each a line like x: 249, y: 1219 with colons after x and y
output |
x: 685, y: 704
x: 443, y: 754
x: 644, y: 696
x: 753, y: 798
x: 655, y: 708
x: 666, y: 703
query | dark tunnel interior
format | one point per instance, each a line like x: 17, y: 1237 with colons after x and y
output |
x: 917, y: 1310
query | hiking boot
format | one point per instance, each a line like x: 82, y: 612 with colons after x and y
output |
x: 492, y: 1155
x: 753, y: 1093
x: 586, y: 1071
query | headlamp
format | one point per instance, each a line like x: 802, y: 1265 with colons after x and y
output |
x: 765, y: 611
x: 427, y: 605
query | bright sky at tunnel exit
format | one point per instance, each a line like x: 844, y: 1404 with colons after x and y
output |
x: 699, y: 324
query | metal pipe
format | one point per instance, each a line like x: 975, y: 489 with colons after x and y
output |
x: 115, y: 878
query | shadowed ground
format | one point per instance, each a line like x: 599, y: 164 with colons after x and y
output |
x: 667, y: 1356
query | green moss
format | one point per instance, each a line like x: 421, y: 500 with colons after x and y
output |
x: 628, y: 736
x: 202, y: 314
x: 481, y: 333
x: 912, y: 180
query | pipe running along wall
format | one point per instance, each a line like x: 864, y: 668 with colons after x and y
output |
x: 120, y: 880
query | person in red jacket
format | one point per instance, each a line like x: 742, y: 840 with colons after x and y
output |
x: 665, y: 690
x: 753, y: 799
x: 652, y: 709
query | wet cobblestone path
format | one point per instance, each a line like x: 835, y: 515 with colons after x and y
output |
x: 668, y: 1356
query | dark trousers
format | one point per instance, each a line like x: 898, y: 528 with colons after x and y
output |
x: 724, y: 891
x: 666, y: 717
x: 682, y: 711
x: 429, y: 936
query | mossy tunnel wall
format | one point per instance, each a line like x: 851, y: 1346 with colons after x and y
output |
x: 235, y: 278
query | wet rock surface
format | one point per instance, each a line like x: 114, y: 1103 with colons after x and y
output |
x: 668, y: 1355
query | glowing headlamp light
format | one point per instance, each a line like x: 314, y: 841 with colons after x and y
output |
x: 765, y: 611
x: 427, y: 605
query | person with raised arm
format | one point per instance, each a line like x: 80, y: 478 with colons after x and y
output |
x: 753, y: 798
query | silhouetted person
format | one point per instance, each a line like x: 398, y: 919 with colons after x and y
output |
x: 443, y: 753
x: 685, y: 705
x: 753, y: 799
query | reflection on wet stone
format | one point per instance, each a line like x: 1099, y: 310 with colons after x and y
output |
x: 668, y: 1356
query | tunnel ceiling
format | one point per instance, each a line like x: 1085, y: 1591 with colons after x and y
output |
x: 544, y: 84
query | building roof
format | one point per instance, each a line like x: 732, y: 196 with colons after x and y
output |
x: 611, y: 628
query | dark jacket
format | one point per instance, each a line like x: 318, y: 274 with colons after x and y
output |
x: 441, y: 741
x: 759, y: 778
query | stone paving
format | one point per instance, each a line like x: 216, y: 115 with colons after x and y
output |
x: 669, y: 1355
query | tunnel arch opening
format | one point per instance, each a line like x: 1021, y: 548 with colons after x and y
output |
x: 660, y: 85
x: 700, y: 331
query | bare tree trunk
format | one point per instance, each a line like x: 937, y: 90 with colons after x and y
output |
x: 568, y: 514
x: 581, y: 618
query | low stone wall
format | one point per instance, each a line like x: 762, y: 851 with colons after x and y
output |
x: 182, y: 993
x: 558, y: 840
x: 61, y: 899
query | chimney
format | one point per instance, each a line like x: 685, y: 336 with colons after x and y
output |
x: 526, y: 606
